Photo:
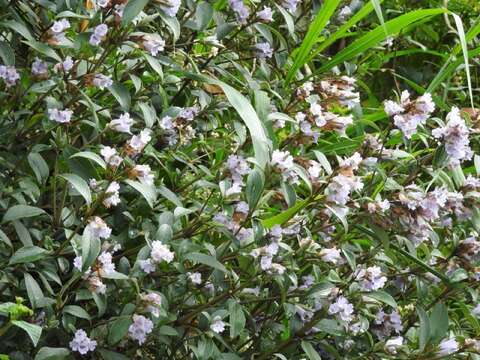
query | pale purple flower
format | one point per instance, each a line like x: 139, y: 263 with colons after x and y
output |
x: 188, y: 113
x: 110, y: 156
x: 161, y: 253
x: 147, y: 266
x: 217, y: 325
x: 98, y: 34
x: 122, y: 124
x: 388, y: 324
x: 101, y: 81
x: 290, y: 5
x: 240, y: 10
x: 153, y: 302
x: 60, y: 116
x: 105, y: 258
x: 39, y: 67
x: 455, y: 138
x: 60, y: 26
x: 331, y: 255
x: 113, y: 196
x: 98, y: 228
x: 9, y: 74
x: 195, y: 278
x: 81, y: 343
x: 371, y: 279
x: 263, y: 50
x: 77, y: 263
x: 140, y: 328
x: 342, y: 308
x: 138, y: 142
x: 153, y: 44
x: 170, y: 7
x: 65, y: 65
x: 447, y: 347
x: 144, y: 174
x: 265, y: 15
x: 392, y: 345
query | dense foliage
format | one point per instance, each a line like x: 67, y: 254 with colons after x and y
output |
x: 239, y: 179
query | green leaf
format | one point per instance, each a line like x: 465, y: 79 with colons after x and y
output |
x: 121, y: 93
x: 383, y: 297
x: 424, y: 333
x: 439, y: 322
x: 254, y: 189
x: 206, y: 260
x: 286, y: 215
x: 5, y: 239
x: 118, y: 329
x: 149, y: 114
x: 90, y: 249
x: 314, y: 31
x: 21, y: 212
x: 147, y: 191
x: 342, y: 30
x: 20, y: 28
x: 463, y: 43
x: 34, y: 292
x: 245, y: 110
x: 310, y: 351
x: 34, y: 331
x: 155, y: 64
x: 378, y: 34
x: 77, y: 311
x: 39, y: 166
x: 27, y: 254
x: 43, y: 49
x: 49, y: 353
x: 237, y: 319
x: 132, y: 9
x: 111, y: 355
x: 203, y: 15
x: 6, y: 54
x: 169, y: 195
x: 91, y: 156
x: 80, y: 185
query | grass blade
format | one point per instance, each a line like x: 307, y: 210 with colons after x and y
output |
x: 323, y: 15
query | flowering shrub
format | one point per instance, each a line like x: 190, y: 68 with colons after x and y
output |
x: 237, y: 180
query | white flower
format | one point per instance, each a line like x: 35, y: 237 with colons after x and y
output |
x: 153, y: 302
x: 447, y: 347
x: 170, y: 7
x: 290, y: 5
x: 455, y: 137
x: 110, y: 156
x: 113, y: 197
x: 144, y: 174
x: 9, y: 74
x: 195, y: 278
x: 81, y: 343
x: 265, y: 15
x: 371, y: 278
x: 97, y: 285
x: 217, y: 325
x: 390, y: 323
x: 138, y: 142
x: 242, y: 207
x: 240, y: 10
x: 60, y: 116
x: 147, y: 266
x: 122, y: 124
x: 342, y: 308
x: 105, y: 258
x: 101, y: 81
x: 140, y: 328
x: 166, y: 123
x: 331, y: 255
x: 98, y: 34
x: 39, y: 67
x: 77, y: 263
x: 99, y: 228
x: 161, y: 253
x: 266, y: 262
x: 393, y: 344
x: 393, y: 108
x: 264, y: 50
x: 153, y: 44
x: 103, y: 3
